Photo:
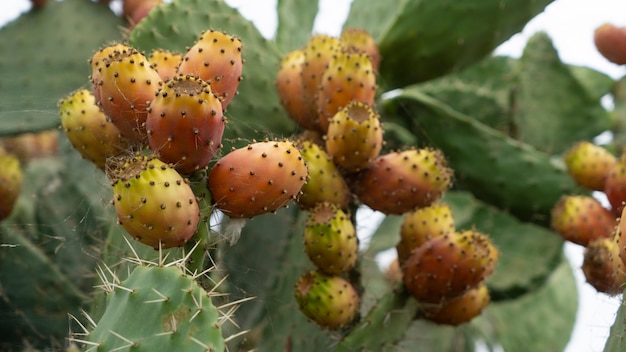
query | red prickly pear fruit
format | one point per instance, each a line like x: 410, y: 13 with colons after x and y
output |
x: 127, y: 85
x: 326, y: 183
x: 257, y: 179
x: 330, y: 239
x: 290, y: 89
x: 615, y: 185
x: 447, y: 266
x: 88, y: 128
x: 154, y: 204
x: 38, y: 4
x: 165, y: 63
x: 589, y: 165
x: 582, y: 219
x: 185, y: 123
x: 354, y: 137
x: 29, y: 146
x: 348, y: 77
x: 99, y: 59
x: 362, y: 41
x: 215, y: 58
x: 422, y: 225
x: 135, y: 10
x: 10, y: 183
x: 400, y: 182
x: 317, y: 54
x: 603, y: 267
x: 459, y: 310
x: 610, y: 41
x: 329, y: 301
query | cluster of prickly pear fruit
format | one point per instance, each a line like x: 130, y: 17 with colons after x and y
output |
x: 328, y: 87
x: 443, y: 268
x: 582, y: 219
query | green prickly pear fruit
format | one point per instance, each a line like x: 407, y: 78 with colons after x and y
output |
x: 354, y: 137
x: 615, y: 185
x: 257, y: 179
x: 449, y: 265
x: 348, y: 77
x: 157, y: 309
x: 603, y: 267
x: 185, y: 123
x: 326, y: 183
x: 582, y: 219
x: 154, y: 204
x: 400, y: 182
x: 610, y: 41
x: 165, y: 62
x: 589, y: 165
x: 88, y: 128
x: 290, y: 89
x: 330, y: 239
x: 10, y: 182
x: 362, y: 41
x: 317, y: 54
x: 215, y: 58
x: 459, y: 310
x: 127, y: 85
x: 421, y: 225
x: 329, y: 301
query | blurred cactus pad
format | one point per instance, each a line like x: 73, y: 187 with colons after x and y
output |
x: 72, y: 279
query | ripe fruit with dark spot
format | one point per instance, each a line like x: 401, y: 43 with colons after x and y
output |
x: 603, y: 267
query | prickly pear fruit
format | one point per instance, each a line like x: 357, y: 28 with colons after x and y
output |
x: 10, y: 183
x: 393, y: 274
x: 257, y: 179
x: 620, y: 237
x: 329, y: 301
x: 330, y: 239
x: 99, y: 59
x: 582, y: 219
x: 615, y: 185
x: 421, y: 225
x: 610, y: 41
x: 29, y: 146
x: 362, y: 41
x: 88, y: 128
x: 354, y: 137
x: 154, y: 203
x: 589, y: 165
x: 603, y: 267
x: 185, y: 123
x: 348, y: 77
x: 136, y: 10
x: 165, y: 62
x: 127, y: 85
x: 326, y: 183
x: 317, y: 54
x: 290, y: 89
x: 400, y: 182
x: 215, y: 58
x: 449, y: 265
x: 459, y: 310
x: 157, y: 309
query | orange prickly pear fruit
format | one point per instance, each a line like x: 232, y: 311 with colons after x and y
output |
x: 589, y: 165
x: 582, y: 219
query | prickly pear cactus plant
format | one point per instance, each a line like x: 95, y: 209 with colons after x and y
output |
x: 223, y: 211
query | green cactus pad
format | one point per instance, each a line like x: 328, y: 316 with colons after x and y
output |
x: 486, y: 161
x: 560, y: 112
x: 437, y: 37
x: 617, y: 338
x: 256, y: 109
x: 158, y: 309
x: 295, y: 23
x: 43, y: 56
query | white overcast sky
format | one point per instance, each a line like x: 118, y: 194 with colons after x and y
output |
x: 570, y: 24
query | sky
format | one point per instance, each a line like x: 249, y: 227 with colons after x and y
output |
x: 570, y: 24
